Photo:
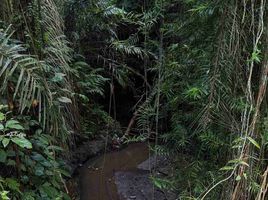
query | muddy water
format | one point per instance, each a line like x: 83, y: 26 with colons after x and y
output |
x: 97, y: 181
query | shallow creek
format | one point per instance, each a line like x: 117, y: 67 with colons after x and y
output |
x: 97, y: 176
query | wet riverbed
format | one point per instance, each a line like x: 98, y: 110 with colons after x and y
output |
x: 98, y: 176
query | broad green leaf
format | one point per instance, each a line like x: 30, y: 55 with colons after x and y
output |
x: 254, y: 142
x: 2, y: 127
x: 22, y: 142
x: 38, y: 157
x: 50, y: 190
x: 5, y: 142
x: 46, y: 163
x: 13, y: 124
x: 2, y: 116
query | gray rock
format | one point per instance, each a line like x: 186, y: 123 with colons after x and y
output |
x: 154, y: 163
x: 85, y: 151
x: 137, y: 184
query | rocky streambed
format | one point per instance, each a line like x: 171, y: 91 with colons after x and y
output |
x: 123, y: 175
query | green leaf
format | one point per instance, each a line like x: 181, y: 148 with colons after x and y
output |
x: 2, y: 116
x: 66, y: 197
x: 33, y: 123
x: 58, y: 77
x: 245, y: 176
x: 50, y: 191
x: 14, y: 124
x: 3, y: 156
x: 2, y: 127
x: 238, y: 178
x: 38, y: 157
x: 22, y: 142
x: 22, y: 167
x: 5, y: 142
x: 11, y: 162
x: 46, y: 163
x: 255, y: 56
x: 243, y: 163
x: 254, y: 142
x: 11, y: 153
x: 28, y: 196
x: 64, y: 100
x: 238, y: 161
x: 25, y: 179
x: 12, y: 184
x: 54, y: 148
x: 227, y: 168
x: 3, y: 195
x: 39, y: 170
x: 65, y: 173
x: 158, y: 184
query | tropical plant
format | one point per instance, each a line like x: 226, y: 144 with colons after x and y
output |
x: 28, y: 160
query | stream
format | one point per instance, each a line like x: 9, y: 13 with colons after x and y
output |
x: 115, y: 175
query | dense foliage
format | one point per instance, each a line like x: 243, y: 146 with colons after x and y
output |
x: 192, y: 74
